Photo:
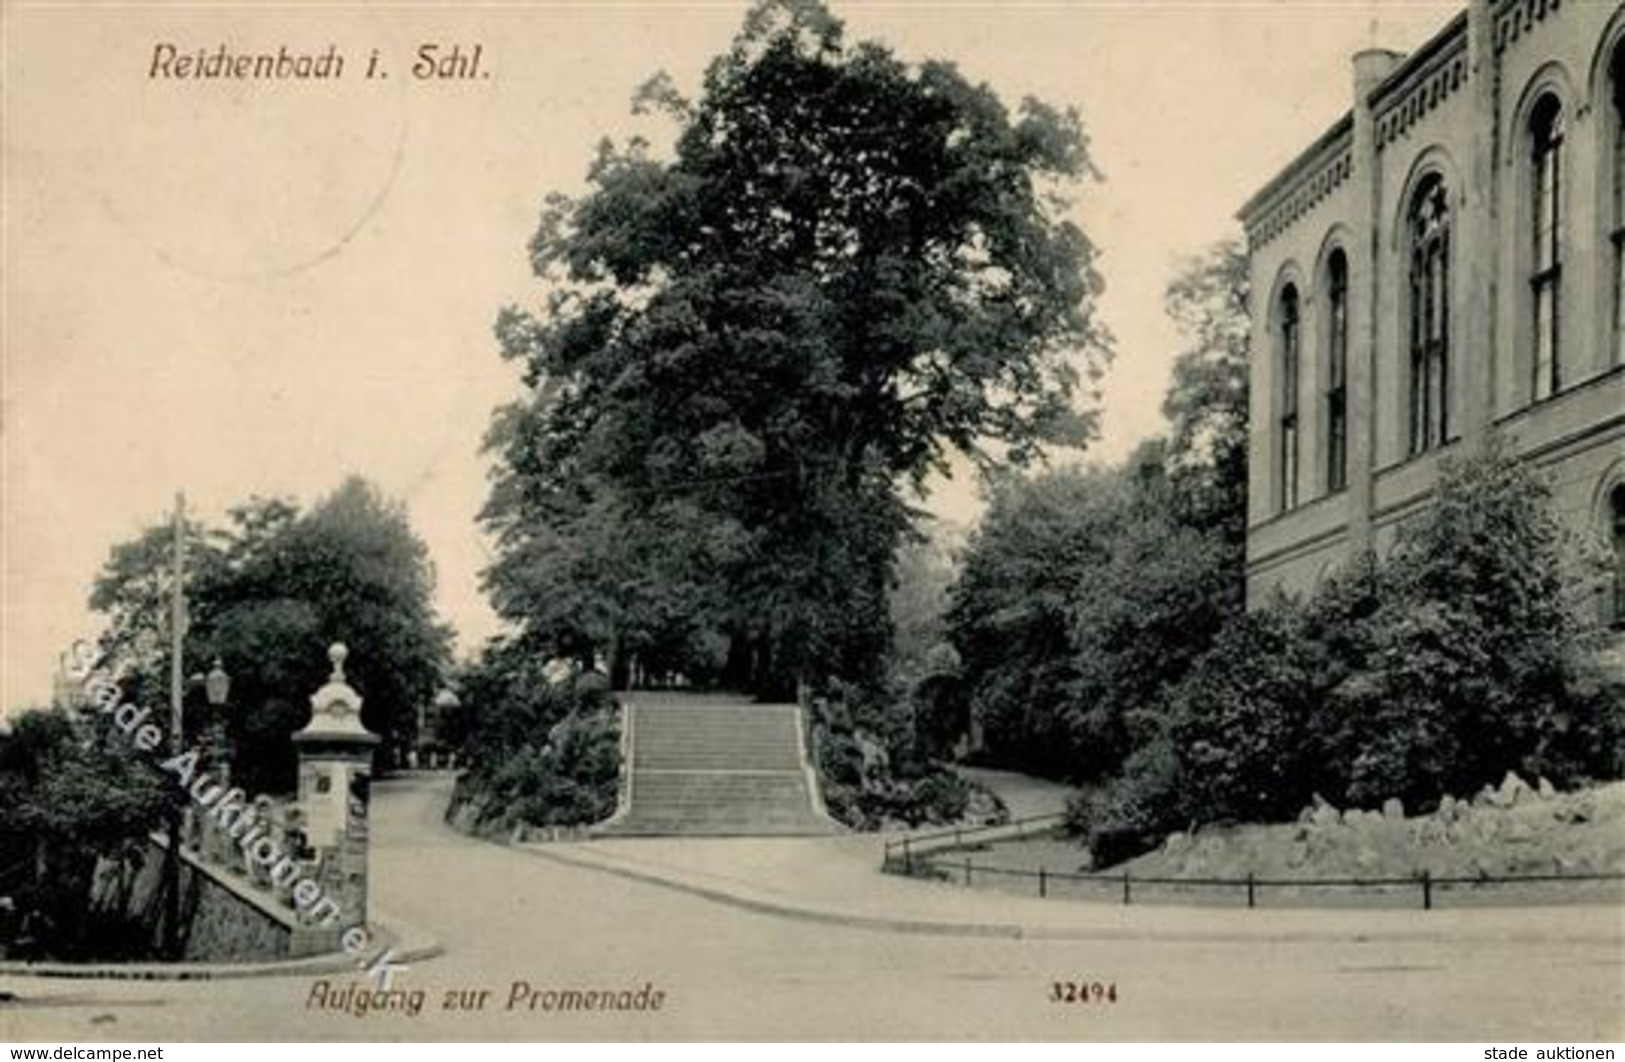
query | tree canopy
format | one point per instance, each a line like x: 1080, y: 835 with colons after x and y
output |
x: 848, y: 267
x: 267, y: 595
x: 1206, y: 402
x: 1086, y: 595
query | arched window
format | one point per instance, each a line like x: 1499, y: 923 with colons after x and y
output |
x: 1291, y: 333
x: 1546, y: 258
x: 1616, y: 72
x: 1616, y: 509
x: 1430, y: 314
x: 1337, y: 360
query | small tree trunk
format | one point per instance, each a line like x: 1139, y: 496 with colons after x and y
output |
x: 617, y: 664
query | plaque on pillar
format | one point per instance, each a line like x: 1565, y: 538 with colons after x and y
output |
x: 335, y: 768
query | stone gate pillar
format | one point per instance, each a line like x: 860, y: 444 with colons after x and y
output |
x: 335, y: 772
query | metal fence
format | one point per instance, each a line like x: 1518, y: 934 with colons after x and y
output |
x: 927, y: 854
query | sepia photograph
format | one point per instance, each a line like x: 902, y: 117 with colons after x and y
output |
x: 812, y: 520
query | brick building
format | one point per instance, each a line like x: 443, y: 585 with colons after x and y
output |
x: 1446, y: 260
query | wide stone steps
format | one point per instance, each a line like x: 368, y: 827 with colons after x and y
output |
x: 704, y: 768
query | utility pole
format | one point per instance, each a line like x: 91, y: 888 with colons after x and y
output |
x: 177, y: 734
x: 177, y: 620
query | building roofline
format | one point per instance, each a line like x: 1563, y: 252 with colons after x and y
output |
x: 1304, y: 161
x: 1430, y: 49
x: 1403, y: 71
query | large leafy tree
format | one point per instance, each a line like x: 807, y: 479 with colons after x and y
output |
x: 1206, y: 402
x: 847, y: 267
x: 267, y: 595
x: 1086, y: 596
x: 1012, y: 615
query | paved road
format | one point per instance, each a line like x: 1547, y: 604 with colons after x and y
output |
x: 505, y: 915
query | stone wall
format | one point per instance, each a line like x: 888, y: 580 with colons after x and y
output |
x: 225, y: 919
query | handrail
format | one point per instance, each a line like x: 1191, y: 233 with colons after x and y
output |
x: 958, y: 834
x: 628, y: 756
x: 807, y: 754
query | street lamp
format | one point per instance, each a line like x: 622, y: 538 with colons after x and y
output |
x: 217, y: 686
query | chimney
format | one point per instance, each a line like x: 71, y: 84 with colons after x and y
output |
x: 1371, y: 65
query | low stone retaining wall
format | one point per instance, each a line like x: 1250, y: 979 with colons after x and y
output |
x: 225, y: 918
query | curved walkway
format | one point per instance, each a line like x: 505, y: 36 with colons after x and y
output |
x: 1024, y: 795
x: 836, y: 880
x: 777, y: 939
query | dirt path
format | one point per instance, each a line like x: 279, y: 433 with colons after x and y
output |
x: 1023, y: 794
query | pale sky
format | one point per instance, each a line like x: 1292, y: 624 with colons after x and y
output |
x: 238, y: 288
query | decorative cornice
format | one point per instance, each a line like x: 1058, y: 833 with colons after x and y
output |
x: 1427, y: 78
x: 1299, y: 188
x: 1518, y: 17
x: 1416, y: 86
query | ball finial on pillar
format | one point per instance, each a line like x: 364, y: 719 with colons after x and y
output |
x: 335, y: 767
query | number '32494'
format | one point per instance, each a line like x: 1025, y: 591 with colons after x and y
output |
x: 1083, y: 992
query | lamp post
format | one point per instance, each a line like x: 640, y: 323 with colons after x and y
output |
x: 217, y: 686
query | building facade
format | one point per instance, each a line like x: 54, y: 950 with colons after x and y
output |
x: 1446, y: 261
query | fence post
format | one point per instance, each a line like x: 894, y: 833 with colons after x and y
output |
x: 1043, y: 884
x: 908, y: 858
x: 957, y: 840
x: 1250, y: 901
x: 1427, y: 890
x: 1126, y: 893
x: 967, y: 872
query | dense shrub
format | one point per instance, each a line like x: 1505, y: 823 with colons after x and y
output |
x: 570, y: 779
x: 868, y: 783
x: 1126, y: 817
x: 1243, y: 721
x: 538, y: 752
x: 1009, y: 618
x: 1455, y: 659
x: 936, y: 797
x: 941, y: 714
x: 1470, y: 660
x: 75, y: 796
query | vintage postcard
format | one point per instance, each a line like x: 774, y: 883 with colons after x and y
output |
x: 811, y: 520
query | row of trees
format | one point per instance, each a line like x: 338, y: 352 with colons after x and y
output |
x: 266, y: 593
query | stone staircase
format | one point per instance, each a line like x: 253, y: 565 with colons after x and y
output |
x: 710, y: 765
